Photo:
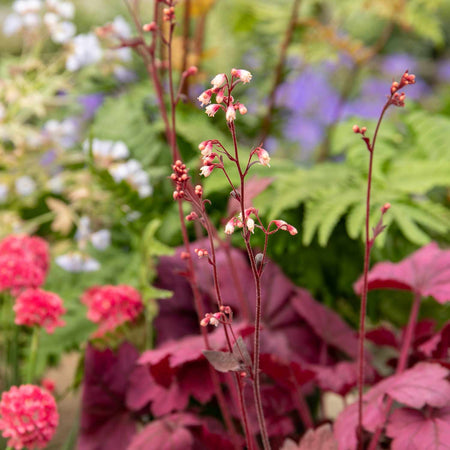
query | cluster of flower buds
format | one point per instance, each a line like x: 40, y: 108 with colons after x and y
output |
x: 192, y: 216
x: 225, y: 315
x: 169, y: 14
x: 239, y: 222
x: 198, y: 190
x: 220, y: 83
x: 282, y: 225
x: 398, y: 98
x: 358, y: 130
x: 201, y: 252
x: 180, y: 177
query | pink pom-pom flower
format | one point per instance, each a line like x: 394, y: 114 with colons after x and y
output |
x: 28, y: 247
x: 39, y: 307
x: 17, y: 273
x: 28, y: 417
x: 111, y: 306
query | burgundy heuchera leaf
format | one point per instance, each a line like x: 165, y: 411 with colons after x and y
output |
x: 426, y: 272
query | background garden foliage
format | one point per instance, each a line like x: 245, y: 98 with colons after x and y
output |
x: 85, y: 165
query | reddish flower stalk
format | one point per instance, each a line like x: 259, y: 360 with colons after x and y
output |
x: 147, y: 52
x: 397, y: 99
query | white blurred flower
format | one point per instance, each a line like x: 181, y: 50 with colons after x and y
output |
x: 107, y: 150
x: 60, y: 31
x: 121, y: 28
x: 2, y: 112
x: 65, y: 133
x: 124, y: 75
x: 56, y: 184
x: 64, y: 9
x: 132, y: 216
x: 132, y: 172
x: 101, y: 239
x: 3, y: 192
x: 25, y: 185
x: 85, y: 50
x: 84, y: 229
x: 25, y: 15
x: 77, y: 262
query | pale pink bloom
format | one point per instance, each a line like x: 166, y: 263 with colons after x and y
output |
x: 229, y: 227
x: 212, y: 109
x: 251, y: 224
x: 282, y: 225
x: 205, y: 97
x: 218, y: 80
x: 230, y: 114
x: 244, y: 75
x: 207, y: 150
x: 111, y: 306
x: 39, y: 307
x: 242, y: 109
x: 263, y: 156
x: 220, y: 96
x: 206, y: 170
x: 28, y: 417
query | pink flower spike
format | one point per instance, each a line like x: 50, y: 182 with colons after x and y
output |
x: 230, y: 114
x: 205, y: 97
x: 28, y: 417
x: 39, y: 307
x: 218, y: 80
x: 263, y: 156
x: 206, y: 170
x: 282, y: 225
x: 212, y: 109
x: 244, y: 75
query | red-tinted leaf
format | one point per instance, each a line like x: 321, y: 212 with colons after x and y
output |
x: 417, y: 430
x: 438, y: 344
x: 426, y: 272
x: 222, y: 361
x: 424, y: 384
x: 106, y: 422
x: 326, y: 323
x: 382, y: 336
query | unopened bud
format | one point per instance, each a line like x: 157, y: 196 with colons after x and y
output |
x: 148, y: 27
x: 385, y: 208
x: 356, y: 129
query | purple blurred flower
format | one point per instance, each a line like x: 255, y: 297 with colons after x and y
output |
x: 395, y: 64
x: 444, y: 70
x: 90, y: 103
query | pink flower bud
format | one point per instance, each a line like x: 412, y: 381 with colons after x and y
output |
x: 356, y: 129
x: 244, y: 75
x: 198, y: 191
x: 212, y: 109
x: 282, y: 225
x: 242, y: 109
x: 192, y: 71
x: 219, y: 80
x: 263, y: 156
x: 205, y: 97
x: 230, y: 114
x: 220, y: 96
x: 251, y: 224
x: 149, y: 27
x: 385, y: 208
x: 229, y: 227
x: 213, y: 321
x: 204, y: 322
x: 207, y: 148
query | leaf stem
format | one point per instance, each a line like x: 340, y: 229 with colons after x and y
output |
x: 34, y: 345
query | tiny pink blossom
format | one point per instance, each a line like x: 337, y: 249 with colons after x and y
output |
x: 212, y: 109
x: 28, y: 417
x: 229, y: 227
x: 263, y: 156
x: 220, y: 96
x: 251, y: 224
x: 111, y: 306
x: 282, y: 225
x: 242, y: 109
x: 206, y: 170
x: 218, y: 80
x: 39, y: 307
x: 205, y: 97
x: 230, y: 114
x: 244, y: 75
